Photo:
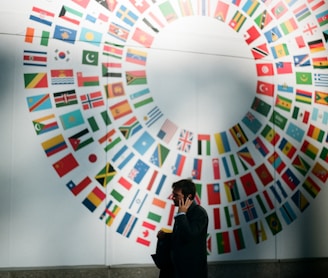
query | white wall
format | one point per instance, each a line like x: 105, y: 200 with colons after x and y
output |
x: 202, y: 75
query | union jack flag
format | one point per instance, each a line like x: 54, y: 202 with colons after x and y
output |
x: 185, y: 140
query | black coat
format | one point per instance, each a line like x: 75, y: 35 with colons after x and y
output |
x: 188, y: 243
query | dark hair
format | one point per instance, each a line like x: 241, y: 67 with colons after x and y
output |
x: 187, y: 187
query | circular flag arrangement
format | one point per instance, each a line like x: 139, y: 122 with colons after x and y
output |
x: 126, y: 98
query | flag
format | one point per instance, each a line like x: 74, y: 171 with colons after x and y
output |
x: 71, y: 119
x: 284, y: 67
x: 303, y: 78
x: 153, y: 116
x: 113, y: 50
x: 278, y: 187
x: 142, y: 37
x: 276, y: 161
x: 237, y: 21
x: 138, y: 201
x: 130, y: 127
x: 82, y: 3
x: 260, y: 146
x: 94, y: 199
x: 62, y: 77
x: 311, y: 187
x: 300, y: 41
x: 90, y: 36
x: 238, y: 135
x: 80, y: 139
x: 251, y: 122
x: 288, y: 26
x: 223, y: 242
x: 273, y: 34
x: 141, y: 6
x: 261, y: 106
x: 120, y: 109
x: 270, y: 135
x: 221, y: 11
x: 111, y: 70
x: 216, y: 168
x: 321, y: 80
x: 35, y: 80
x: 97, y: 18
x: 118, y: 32
x: 315, y: 133
x: 319, y: 115
x: 65, y: 165
x: 159, y: 155
x: 38, y: 102
x: 138, y: 172
x: 285, y: 88
x: 141, y: 98
x: 324, y: 154
x: 250, y: 7
x: 144, y: 237
x: 110, y: 213
x: 178, y: 165
x: 87, y: 81
x: 245, y: 156
x: 287, y: 148
x: 249, y: 184
x: 126, y: 15
x: 264, y: 174
x: 153, y: 22
x: 322, y: 18
x: 105, y: 175
x: 222, y: 142
x: 300, y: 200
x: 54, y: 145
x: 144, y: 142
x: 185, y: 140
x: 216, y: 218
x: 278, y: 120
x: 290, y: 179
x: 248, y: 209
x: 321, y: 98
x: 263, y: 19
x: 302, y: 60
x: 206, y: 138
x: 90, y: 57
x: 76, y: 189
x: 127, y: 225
x: 136, y: 77
x: 65, y: 98
x: 168, y: 11
x: 185, y: 7
x: 115, y: 89
x: 274, y: 223
x: 316, y: 46
x: 35, y: 58
x: 231, y: 215
x: 71, y: 15
x: 45, y: 124
x: 309, y: 149
x: 303, y: 96
x: 264, y: 69
x: 287, y: 213
x: 42, y: 16
x: 121, y: 158
x: 265, y: 88
x: 30, y: 36
x: 283, y: 103
x: 196, y: 172
x: 279, y: 50
x: 320, y: 63
x: 301, y: 165
x: 301, y: 12
x: 260, y: 51
x: 92, y: 100
x: 136, y: 56
x: 258, y: 231
x: 320, y: 172
x: 65, y: 34
x: 295, y: 132
x: 167, y: 131
x: 279, y: 9
x: 213, y: 194
x: 231, y: 189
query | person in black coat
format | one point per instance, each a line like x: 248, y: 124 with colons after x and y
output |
x: 184, y: 252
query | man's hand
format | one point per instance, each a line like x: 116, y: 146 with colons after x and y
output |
x: 184, y: 205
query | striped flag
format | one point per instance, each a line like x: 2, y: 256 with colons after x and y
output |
x: 45, y: 124
x: 258, y: 231
x: 287, y: 213
x: 127, y: 225
x: 42, y: 16
x: 110, y: 213
x: 94, y: 199
x: 35, y: 58
x: 76, y: 189
x: 80, y: 139
x: 54, y: 145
